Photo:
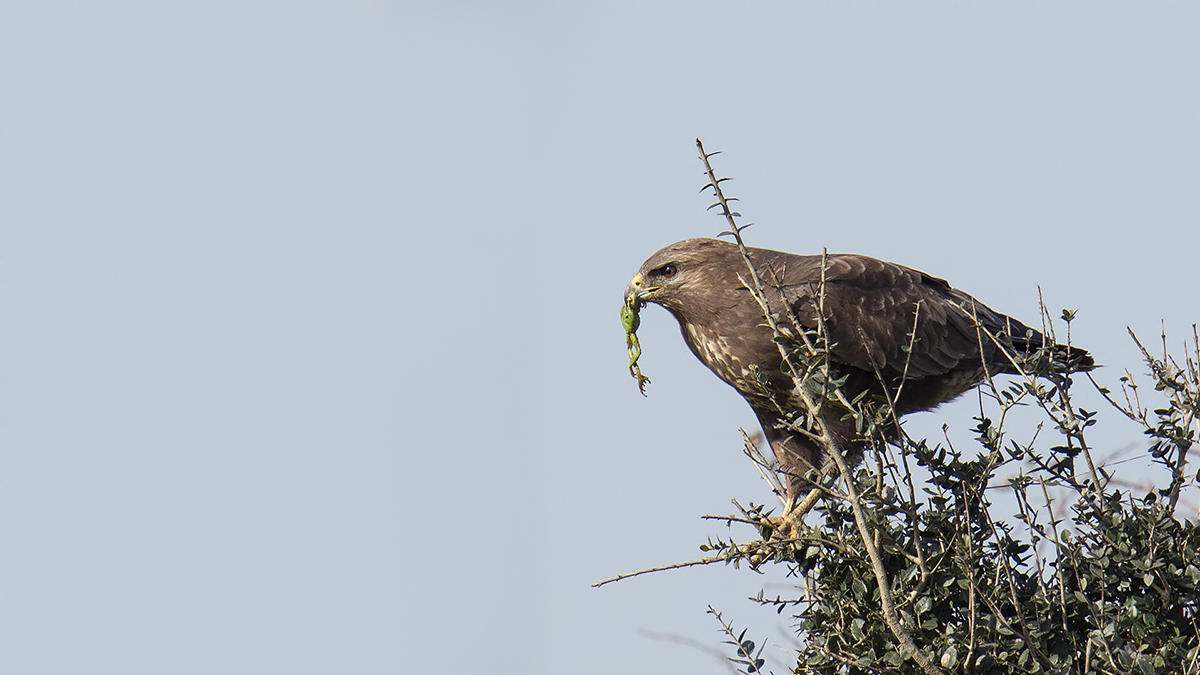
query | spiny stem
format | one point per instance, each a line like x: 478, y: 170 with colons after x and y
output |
x: 888, y: 606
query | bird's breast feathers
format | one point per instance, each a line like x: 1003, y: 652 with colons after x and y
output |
x: 716, y: 352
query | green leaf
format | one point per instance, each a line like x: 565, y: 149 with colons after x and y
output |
x: 860, y: 589
x: 950, y: 658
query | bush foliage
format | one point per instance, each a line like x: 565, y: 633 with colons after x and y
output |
x: 1113, y: 587
x: 906, y: 566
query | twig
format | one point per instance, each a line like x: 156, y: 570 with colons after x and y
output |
x: 1062, y: 413
x: 752, y: 660
x: 691, y: 563
x: 766, y: 471
x: 828, y: 443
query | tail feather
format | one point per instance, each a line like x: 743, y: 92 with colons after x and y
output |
x: 1034, y: 352
x: 1077, y: 360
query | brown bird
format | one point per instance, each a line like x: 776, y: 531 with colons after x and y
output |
x: 871, y: 317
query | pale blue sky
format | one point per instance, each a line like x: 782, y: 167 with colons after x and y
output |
x: 311, y: 359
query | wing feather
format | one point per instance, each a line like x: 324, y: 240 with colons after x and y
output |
x: 872, y: 308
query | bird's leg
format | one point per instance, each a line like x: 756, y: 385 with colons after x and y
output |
x: 795, y: 459
x: 798, y: 511
x: 787, y: 526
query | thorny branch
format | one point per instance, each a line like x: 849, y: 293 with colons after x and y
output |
x: 822, y: 431
x: 1048, y: 612
x: 691, y: 563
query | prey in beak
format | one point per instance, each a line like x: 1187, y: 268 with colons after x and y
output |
x: 631, y: 320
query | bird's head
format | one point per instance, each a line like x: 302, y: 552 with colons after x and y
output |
x: 676, y: 275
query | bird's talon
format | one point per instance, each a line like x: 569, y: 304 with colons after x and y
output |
x: 779, y: 528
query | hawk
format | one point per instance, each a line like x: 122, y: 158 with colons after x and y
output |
x: 887, y: 325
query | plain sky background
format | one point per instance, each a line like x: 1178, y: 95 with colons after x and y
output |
x: 310, y: 359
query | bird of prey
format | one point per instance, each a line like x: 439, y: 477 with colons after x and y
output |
x: 889, y: 328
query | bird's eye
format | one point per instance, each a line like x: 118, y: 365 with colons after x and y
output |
x: 667, y: 271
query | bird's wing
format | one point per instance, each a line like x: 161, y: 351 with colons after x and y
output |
x: 872, y: 315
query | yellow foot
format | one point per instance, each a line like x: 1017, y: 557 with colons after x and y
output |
x: 778, y: 529
x: 787, y: 526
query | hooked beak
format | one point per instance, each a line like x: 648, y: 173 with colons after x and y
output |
x: 637, y: 290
